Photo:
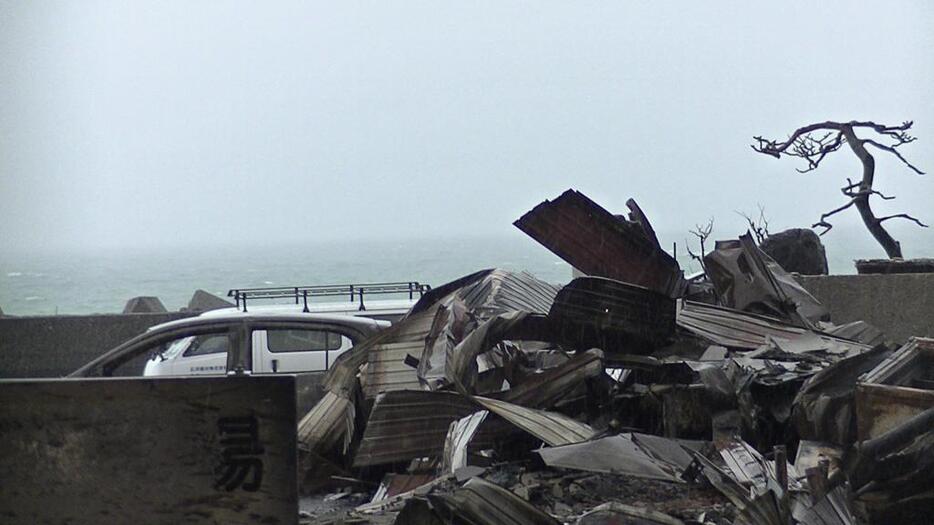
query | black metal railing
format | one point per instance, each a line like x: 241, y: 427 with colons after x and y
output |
x: 301, y: 294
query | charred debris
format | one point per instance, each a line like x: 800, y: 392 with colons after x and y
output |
x: 630, y: 395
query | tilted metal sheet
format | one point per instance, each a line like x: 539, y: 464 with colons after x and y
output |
x: 598, y: 243
x: 331, y: 419
x: 552, y: 428
x: 409, y: 424
x: 502, y: 291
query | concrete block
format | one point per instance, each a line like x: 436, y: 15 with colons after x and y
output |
x: 203, y: 301
x: 144, y: 305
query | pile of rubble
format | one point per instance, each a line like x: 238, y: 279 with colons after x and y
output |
x: 630, y: 395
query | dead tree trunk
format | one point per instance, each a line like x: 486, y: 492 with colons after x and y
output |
x: 804, y: 144
x: 861, y: 198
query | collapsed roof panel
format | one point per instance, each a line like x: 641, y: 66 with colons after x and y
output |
x: 599, y: 243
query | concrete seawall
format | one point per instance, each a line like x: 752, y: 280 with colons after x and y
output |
x: 901, y: 305
x: 53, y: 346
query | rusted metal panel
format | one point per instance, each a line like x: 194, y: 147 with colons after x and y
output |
x: 598, y: 243
x: 167, y: 450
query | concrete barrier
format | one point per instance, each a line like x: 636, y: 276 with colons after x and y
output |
x: 901, y: 305
x: 53, y: 346
x: 143, y: 450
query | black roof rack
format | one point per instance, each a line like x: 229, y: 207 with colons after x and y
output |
x: 301, y: 293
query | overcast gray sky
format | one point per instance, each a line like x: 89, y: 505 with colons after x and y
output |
x: 174, y: 122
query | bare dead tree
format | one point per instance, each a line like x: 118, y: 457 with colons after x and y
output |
x: 702, y: 232
x: 759, y: 227
x: 815, y: 141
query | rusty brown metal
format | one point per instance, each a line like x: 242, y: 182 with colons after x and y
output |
x: 601, y: 244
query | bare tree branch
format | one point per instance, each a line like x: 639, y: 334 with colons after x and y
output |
x: 892, y: 150
x: 702, y: 232
x: 759, y: 227
x: 822, y: 222
x: 815, y: 141
x: 903, y: 216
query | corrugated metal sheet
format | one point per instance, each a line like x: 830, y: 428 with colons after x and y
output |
x: 386, y: 369
x: 728, y: 327
x: 502, y: 291
x: 329, y: 420
x: 552, y: 428
x: 598, y: 243
x: 409, y: 424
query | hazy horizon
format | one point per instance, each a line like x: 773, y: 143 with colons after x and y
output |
x: 181, y: 124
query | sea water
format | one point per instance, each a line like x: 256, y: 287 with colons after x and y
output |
x: 86, y: 280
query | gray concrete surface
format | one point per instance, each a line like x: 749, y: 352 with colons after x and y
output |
x: 901, y: 305
x: 53, y: 346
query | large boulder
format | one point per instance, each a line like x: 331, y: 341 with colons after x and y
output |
x: 797, y: 250
x: 203, y: 301
x: 144, y: 305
